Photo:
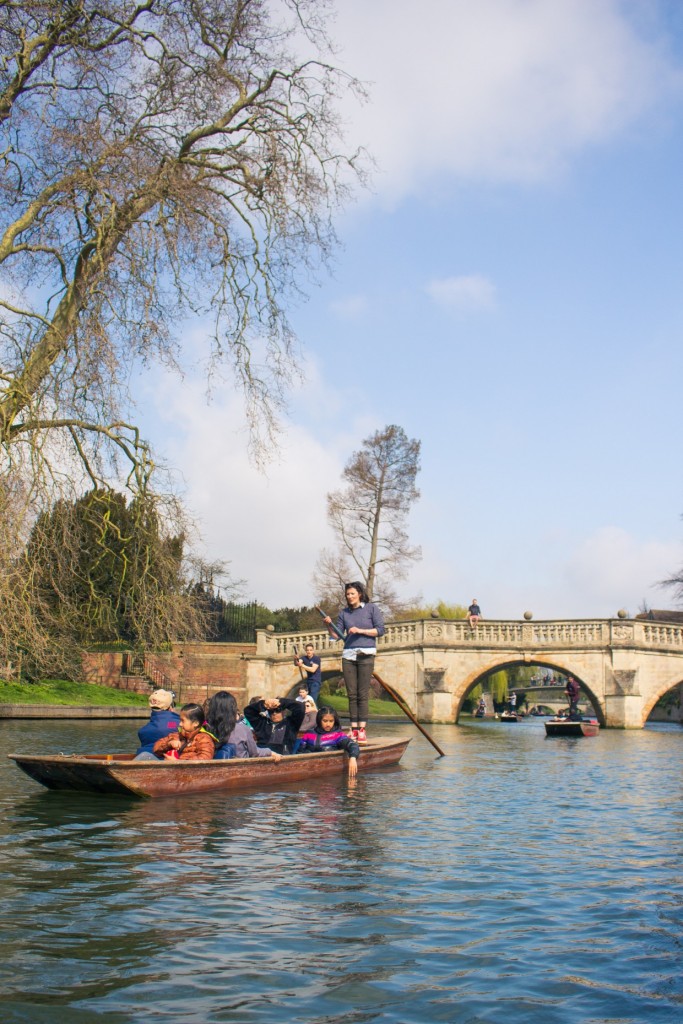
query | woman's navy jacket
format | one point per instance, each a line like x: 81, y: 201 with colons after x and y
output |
x: 161, y: 723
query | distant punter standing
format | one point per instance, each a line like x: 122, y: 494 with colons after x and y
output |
x: 572, y: 693
x: 311, y: 664
x: 360, y: 623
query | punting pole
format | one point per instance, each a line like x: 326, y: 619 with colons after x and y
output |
x: 296, y: 662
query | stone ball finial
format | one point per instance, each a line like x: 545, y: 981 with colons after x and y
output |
x: 622, y: 613
x: 435, y: 615
x: 271, y: 628
x: 528, y: 616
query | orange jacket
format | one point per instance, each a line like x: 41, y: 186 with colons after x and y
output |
x: 200, y: 748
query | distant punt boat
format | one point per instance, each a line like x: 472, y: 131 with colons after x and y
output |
x: 120, y: 773
x: 565, y: 727
x: 509, y: 716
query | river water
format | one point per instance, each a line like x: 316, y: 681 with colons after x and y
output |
x: 519, y: 879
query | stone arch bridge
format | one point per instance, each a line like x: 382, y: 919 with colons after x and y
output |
x: 624, y: 666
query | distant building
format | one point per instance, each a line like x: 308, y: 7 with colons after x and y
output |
x: 662, y: 615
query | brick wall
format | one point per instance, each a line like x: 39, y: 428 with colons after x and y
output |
x: 104, y: 669
x: 193, y: 671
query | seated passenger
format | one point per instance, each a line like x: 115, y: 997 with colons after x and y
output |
x: 329, y: 735
x: 192, y: 742
x: 230, y: 732
x: 162, y: 722
x: 275, y: 722
x: 310, y: 718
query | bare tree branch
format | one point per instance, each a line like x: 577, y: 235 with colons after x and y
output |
x: 158, y: 160
x: 369, y: 516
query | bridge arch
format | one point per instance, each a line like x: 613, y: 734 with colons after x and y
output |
x: 327, y: 675
x: 661, y: 691
x: 556, y: 665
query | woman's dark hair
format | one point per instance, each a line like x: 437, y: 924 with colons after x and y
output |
x: 195, y: 712
x: 326, y: 711
x: 221, y: 715
x: 360, y: 587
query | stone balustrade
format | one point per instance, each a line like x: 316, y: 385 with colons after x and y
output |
x: 556, y: 634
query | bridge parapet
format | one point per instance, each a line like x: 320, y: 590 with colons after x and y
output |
x: 503, y: 633
x: 555, y: 634
x: 662, y: 636
x: 584, y: 633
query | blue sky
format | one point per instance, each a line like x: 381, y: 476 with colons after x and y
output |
x: 509, y: 292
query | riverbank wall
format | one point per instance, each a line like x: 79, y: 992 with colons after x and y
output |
x: 55, y: 711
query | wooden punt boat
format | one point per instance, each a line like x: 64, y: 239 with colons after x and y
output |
x: 119, y: 773
x: 566, y: 727
x: 509, y: 716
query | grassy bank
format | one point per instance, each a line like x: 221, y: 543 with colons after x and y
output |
x: 61, y: 691
x: 64, y: 692
x: 377, y: 707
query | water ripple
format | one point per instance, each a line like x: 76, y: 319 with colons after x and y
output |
x: 516, y: 880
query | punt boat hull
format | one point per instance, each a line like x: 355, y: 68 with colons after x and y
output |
x: 563, y: 727
x: 120, y: 774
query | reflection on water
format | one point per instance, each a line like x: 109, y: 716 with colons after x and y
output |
x: 519, y: 879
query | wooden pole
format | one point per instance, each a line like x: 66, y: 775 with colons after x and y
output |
x: 296, y: 659
x: 406, y: 711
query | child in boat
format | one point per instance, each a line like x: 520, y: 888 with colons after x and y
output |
x: 310, y: 718
x: 329, y: 735
x: 192, y: 742
x: 234, y: 738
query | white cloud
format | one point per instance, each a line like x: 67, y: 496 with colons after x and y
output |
x: 554, y: 577
x: 467, y: 292
x: 350, y: 307
x: 612, y: 569
x: 501, y: 89
x: 270, y: 526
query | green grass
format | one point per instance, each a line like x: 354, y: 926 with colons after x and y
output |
x: 377, y: 707
x: 62, y: 691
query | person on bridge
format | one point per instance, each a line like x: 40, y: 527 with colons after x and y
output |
x: 572, y: 695
x: 474, y: 613
x: 360, y: 623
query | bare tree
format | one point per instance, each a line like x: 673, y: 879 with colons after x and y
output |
x: 158, y: 159
x: 369, y: 517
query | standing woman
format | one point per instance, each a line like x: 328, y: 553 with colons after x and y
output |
x: 360, y: 623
